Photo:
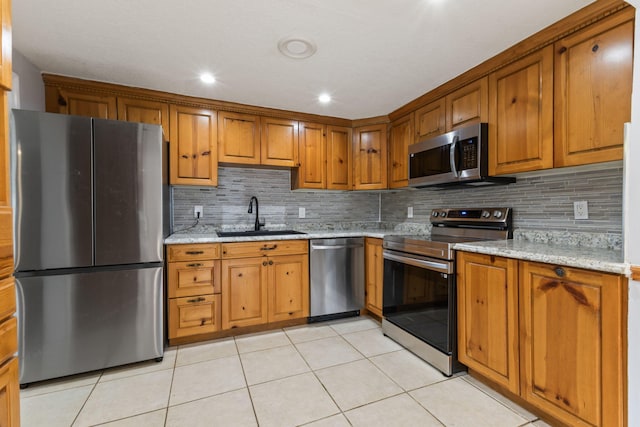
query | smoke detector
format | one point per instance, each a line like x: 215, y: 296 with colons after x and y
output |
x: 297, y: 47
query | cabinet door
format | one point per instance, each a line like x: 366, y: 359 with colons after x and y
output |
x: 573, y: 324
x: 312, y: 152
x: 593, y: 75
x: 430, y: 120
x: 85, y: 104
x: 9, y: 394
x: 468, y: 105
x: 142, y: 111
x: 193, y: 146
x: 238, y: 138
x: 288, y: 287
x: 244, y: 292
x: 194, y: 315
x: 279, y: 142
x: 488, y: 317
x: 5, y: 45
x: 339, y: 173
x: 521, y: 115
x: 370, y: 157
x: 399, y: 140
x: 374, y: 265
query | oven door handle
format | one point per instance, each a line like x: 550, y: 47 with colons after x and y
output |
x: 452, y: 155
x: 432, y: 265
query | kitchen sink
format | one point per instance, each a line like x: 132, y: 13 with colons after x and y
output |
x: 251, y: 233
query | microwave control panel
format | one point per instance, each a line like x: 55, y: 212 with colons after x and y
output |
x: 469, y: 149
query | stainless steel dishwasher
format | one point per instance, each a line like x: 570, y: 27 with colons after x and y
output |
x: 337, y: 277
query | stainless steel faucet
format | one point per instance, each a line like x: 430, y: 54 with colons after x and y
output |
x: 258, y: 224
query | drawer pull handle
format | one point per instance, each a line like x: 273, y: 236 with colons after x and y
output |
x: 560, y: 272
x: 195, y: 264
x: 202, y: 322
x: 199, y: 299
x: 266, y: 248
x: 194, y: 252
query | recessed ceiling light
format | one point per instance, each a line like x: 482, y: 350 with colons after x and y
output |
x: 297, y: 47
x: 325, y: 98
x: 207, y: 78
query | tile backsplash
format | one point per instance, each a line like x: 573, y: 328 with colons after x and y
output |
x: 539, y: 203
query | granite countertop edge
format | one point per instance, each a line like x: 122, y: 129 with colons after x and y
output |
x: 182, y: 238
x: 598, y: 259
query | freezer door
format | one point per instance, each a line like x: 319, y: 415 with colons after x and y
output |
x: 51, y: 187
x: 82, y: 322
x: 128, y: 192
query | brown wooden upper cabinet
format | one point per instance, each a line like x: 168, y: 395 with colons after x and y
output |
x: 312, y: 142
x: 193, y: 146
x: 5, y: 46
x: 467, y: 105
x: 279, y: 142
x: 370, y: 157
x: 521, y: 115
x: 339, y: 170
x: 238, y: 138
x: 400, y: 138
x: 83, y: 104
x: 593, y: 75
x: 143, y: 111
x: 430, y: 120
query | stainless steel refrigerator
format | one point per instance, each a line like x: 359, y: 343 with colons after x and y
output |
x: 91, y: 209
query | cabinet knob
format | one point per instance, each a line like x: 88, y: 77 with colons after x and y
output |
x: 560, y: 272
x: 264, y: 263
x: 562, y: 50
x: 595, y: 48
x: 270, y: 262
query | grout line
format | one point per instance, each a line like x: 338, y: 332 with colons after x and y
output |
x: 87, y: 399
x: 244, y: 374
x: 173, y: 375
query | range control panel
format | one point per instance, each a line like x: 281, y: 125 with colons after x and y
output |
x: 473, y: 216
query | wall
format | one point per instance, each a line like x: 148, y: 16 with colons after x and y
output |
x: 539, y: 203
x: 228, y: 203
x: 31, y: 85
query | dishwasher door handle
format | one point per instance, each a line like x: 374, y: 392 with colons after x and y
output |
x: 335, y: 246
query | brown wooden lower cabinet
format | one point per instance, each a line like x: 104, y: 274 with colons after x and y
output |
x: 9, y: 394
x: 374, y: 265
x: 569, y: 342
x: 194, y: 315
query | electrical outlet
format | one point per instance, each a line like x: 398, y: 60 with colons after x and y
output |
x: 198, y: 212
x: 581, y: 210
x: 302, y: 212
x: 410, y: 212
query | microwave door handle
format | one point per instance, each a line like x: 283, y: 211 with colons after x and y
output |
x: 452, y: 155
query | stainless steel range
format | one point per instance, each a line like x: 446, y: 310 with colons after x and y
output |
x: 419, y: 291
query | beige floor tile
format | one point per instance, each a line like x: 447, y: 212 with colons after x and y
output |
x: 125, y: 397
x: 333, y: 421
x: 272, y: 364
x: 407, y: 369
x: 53, y: 409
x: 357, y: 383
x: 206, y: 379
x: 347, y: 326
x: 168, y: 362
x: 203, y: 351
x: 398, y: 411
x: 291, y: 401
x: 60, y: 384
x: 328, y: 352
x: 500, y: 398
x: 306, y: 333
x: 228, y: 409
x: 456, y: 402
x: 371, y: 342
x: 150, y: 419
x: 261, y: 341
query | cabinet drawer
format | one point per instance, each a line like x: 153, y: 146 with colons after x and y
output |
x: 188, y: 278
x: 193, y: 252
x: 7, y: 297
x: 194, y: 315
x: 8, y: 339
x: 268, y: 248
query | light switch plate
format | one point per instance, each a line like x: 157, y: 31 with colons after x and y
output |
x: 410, y: 212
x: 302, y: 212
x: 581, y: 210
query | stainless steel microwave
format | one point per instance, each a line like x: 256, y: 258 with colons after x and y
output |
x: 459, y: 157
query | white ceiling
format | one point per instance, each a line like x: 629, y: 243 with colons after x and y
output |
x: 373, y: 55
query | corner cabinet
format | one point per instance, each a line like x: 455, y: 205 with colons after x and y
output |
x: 401, y: 136
x: 370, y: 157
x: 193, y: 146
x: 339, y: 158
x: 374, y: 266
x: 264, y: 282
x: 593, y: 78
x: 554, y: 336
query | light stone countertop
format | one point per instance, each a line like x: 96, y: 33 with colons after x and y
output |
x: 181, y: 238
x: 599, y: 259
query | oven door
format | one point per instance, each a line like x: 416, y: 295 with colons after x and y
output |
x: 419, y: 297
